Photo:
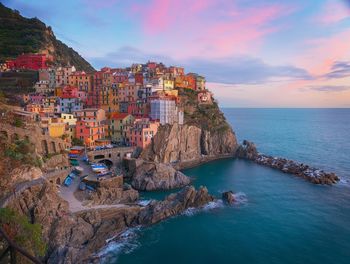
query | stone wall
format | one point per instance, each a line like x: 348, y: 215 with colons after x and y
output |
x: 44, y: 144
x: 114, y: 155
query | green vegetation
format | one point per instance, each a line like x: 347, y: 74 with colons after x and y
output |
x: 29, y: 35
x: 17, y: 122
x: 25, y: 234
x: 22, y: 151
x: 207, y: 116
x: 77, y: 142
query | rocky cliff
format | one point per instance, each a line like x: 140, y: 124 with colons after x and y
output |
x: 75, y: 238
x: 205, y: 136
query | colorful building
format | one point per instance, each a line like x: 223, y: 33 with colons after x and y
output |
x: 89, y: 131
x: 62, y: 75
x: 141, y: 132
x: 81, y: 80
x: 164, y: 110
x: 69, y: 104
x: 118, y: 122
x: 28, y: 62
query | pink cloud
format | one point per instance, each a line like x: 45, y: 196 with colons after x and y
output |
x: 333, y: 12
x: 223, y: 28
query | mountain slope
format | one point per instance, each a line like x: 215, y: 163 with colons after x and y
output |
x: 24, y: 35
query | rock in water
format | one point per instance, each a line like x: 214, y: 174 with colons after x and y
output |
x: 174, y: 204
x: 150, y: 176
x: 228, y: 197
x: 247, y: 151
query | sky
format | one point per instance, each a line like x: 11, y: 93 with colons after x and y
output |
x: 253, y: 53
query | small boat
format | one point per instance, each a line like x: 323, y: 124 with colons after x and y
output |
x: 82, y: 186
x: 90, y: 188
x: 68, y: 181
x: 74, y: 162
x: 79, y: 169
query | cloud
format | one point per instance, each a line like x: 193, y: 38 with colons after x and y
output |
x: 340, y: 69
x: 333, y: 12
x: 329, y: 88
x: 127, y: 55
x: 216, y: 28
x: 233, y: 70
x: 244, y: 70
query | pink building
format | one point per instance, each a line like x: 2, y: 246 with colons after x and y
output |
x: 142, y: 131
x: 89, y: 131
x: 36, y: 98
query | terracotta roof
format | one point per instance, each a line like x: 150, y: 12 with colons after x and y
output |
x: 119, y: 115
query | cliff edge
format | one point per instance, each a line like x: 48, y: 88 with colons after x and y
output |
x: 204, y: 136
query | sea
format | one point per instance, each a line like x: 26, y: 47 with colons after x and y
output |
x: 279, y: 218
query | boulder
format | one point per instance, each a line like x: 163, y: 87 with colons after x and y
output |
x: 228, y: 197
x: 151, y: 176
x: 174, y: 204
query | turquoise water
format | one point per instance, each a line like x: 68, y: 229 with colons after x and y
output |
x: 280, y: 218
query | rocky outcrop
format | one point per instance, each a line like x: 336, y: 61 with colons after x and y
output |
x: 187, y: 145
x: 248, y: 151
x: 174, y: 204
x: 74, y: 238
x: 112, y: 191
x: 228, y: 197
x: 149, y: 176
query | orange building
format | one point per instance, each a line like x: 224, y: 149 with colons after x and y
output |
x: 142, y: 131
x: 81, y: 80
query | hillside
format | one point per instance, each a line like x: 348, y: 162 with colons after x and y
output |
x: 29, y: 35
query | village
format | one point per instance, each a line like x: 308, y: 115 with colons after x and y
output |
x: 102, y: 116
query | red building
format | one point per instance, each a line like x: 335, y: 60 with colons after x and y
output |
x: 28, y: 62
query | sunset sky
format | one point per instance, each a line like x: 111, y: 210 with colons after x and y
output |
x: 254, y: 53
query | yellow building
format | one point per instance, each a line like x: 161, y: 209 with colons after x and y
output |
x: 56, y: 127
x: 117, y: 125
x: 69, y: 119
x: 81, y: 80
x: 168, y: 84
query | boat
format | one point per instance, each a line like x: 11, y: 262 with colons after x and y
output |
x: 68, y: 181
x: 74, y: 162
x: 79, y: 169
x: 82, y: 186
x: 90, y: 188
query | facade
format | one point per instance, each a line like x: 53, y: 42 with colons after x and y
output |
x: 90, y: 114
x: 89, y: 131
x: 205, y: 97
x: 69, y: 119
x: 49, y: 76
x: 81, y: 80
x: 117, y: 125
x: 164, y: 110
x: 141, y: 132
x: 43, y: 87
x: 62, y: 75
x: 28, y: 62
x: 69, y: 104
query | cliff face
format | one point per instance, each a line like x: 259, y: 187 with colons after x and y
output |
x: 205, y: 135
x: 30, y: 35
x: 189, y: 144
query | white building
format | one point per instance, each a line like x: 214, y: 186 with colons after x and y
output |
x: 69, y: 105
x: 165, y: 110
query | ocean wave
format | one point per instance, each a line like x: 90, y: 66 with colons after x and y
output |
x: 125, y: 242
x: 209, y: 206
x: 240, y: 198
x: 144, y: 202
